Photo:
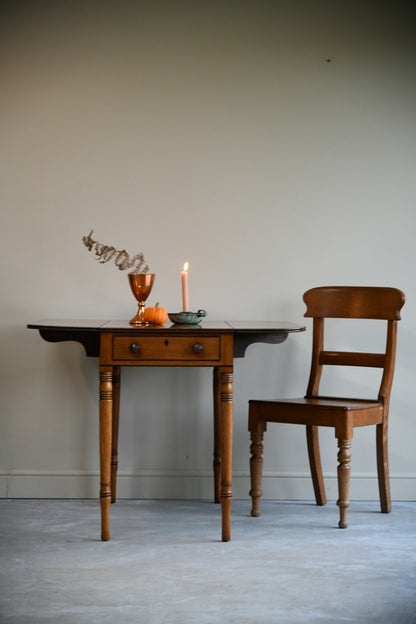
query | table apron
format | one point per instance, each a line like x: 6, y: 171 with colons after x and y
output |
x: 118, y: 349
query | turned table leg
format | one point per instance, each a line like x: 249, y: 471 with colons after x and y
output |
x: 226, y: 437
x: 106, y: 417
x: 217, y: 436
x: 114, y: 436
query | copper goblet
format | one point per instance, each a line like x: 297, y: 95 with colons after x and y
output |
x: 141, y: 284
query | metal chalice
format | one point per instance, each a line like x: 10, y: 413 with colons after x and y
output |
x: 141, y: 285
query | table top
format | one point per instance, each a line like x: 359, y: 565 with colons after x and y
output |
x: 101, y: 325
x: 88, y: 331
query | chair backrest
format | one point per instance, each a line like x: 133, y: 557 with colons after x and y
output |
x: 359, y: 302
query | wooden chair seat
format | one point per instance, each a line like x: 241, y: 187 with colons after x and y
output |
x: 323, y: 411
x: 343, y: 414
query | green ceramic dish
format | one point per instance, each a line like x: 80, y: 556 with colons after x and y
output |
x: 187, y: 318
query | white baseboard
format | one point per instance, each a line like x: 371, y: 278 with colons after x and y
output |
x: 165, y: 484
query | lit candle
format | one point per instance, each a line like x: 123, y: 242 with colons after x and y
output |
x: 184, y: 279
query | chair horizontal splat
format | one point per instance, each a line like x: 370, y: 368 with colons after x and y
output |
x: 350, y: 358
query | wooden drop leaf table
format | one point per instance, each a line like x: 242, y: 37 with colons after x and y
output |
x: 214, y: 344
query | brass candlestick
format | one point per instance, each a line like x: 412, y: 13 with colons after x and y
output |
x: 141, y: 285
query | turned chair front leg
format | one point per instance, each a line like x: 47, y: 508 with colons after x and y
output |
x: 257, y: 429
x: 344, y: 473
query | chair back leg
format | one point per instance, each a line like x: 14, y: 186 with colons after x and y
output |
x: 383, y: 467
x: 315, y: 464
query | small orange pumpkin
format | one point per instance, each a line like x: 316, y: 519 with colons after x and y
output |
x: 156, y: 315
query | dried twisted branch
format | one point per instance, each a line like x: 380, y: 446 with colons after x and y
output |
x: 122, y: 260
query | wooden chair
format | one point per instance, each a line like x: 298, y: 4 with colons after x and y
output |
x: 343, y: 414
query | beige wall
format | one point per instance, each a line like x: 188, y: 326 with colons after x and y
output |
x: 271, y: 144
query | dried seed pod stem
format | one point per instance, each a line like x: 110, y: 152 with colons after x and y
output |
x: 122, y: 260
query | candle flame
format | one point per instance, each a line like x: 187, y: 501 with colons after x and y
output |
x: 185, y: 266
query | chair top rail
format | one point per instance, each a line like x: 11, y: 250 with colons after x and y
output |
x: 370, y: 302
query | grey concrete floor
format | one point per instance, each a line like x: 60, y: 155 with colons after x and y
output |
x: 165, y: 564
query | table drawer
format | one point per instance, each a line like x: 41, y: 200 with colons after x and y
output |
x: 159, y: 348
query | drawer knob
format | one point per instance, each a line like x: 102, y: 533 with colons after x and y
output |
x: 197, y: 348
x: 135, y: 348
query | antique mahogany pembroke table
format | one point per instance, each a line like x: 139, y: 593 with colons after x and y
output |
x: 213, y: 344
